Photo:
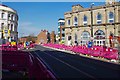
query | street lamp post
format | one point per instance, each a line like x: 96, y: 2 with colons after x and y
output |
x: 92, y: 20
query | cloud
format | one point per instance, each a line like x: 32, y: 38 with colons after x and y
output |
x: 22, y: 24
x: 27, y: 28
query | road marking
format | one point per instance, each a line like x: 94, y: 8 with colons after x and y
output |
x: 70, y: 66
x: 45, y: 64
x: 94, y: 58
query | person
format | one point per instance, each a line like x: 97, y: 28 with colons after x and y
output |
x: 104, y: 46
x: 76, y: 43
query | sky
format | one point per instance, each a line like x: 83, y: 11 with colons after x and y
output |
x: 35, y: 16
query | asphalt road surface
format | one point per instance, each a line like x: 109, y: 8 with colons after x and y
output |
x: 75, y: 67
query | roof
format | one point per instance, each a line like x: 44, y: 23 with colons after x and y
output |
x: 61, y: 19
x: 6, y: 8
x: 94, y: 8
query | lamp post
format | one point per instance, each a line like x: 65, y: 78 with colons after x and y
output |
x: 92, y: 20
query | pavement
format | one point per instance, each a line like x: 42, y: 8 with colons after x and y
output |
x: 96, y: 58
x: 75, y: 67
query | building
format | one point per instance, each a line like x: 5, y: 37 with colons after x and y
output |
x: 100, y: 24
x: 45, y: 37
x: 22, y: 39
x: 61, y: 29
x: 8, y: 24
x: 52, y: 37
x: 27, y: 39
x: 42, y: 37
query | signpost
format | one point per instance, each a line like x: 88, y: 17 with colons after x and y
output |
x: 6, y: 33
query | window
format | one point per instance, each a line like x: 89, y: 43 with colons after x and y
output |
x: 3, y: 15
x: 58, y: 34
x: 8, y: 16
x: 63, y: 29
x: 63, y: 38
x: 85, y: 20
x: 99, y: 18
x: 99, y: 34
x: 63, y: 35
x: 58, y: 29
x: 11, y: 27
x: 2, y: 26
x: 69, y: 37
x: 75, y: 21
x: 11, y: 17
x: 68, y: 22
x: 111, y: 17
x: 85, y: 37
x: 75, y: 37
x: 15, y: 18
x: 61, y: 24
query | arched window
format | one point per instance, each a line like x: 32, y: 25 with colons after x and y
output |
x: 99, y: 38
x: 111, y: 17
x: 69, y: 37
x: 68, y: 22
x: 85, y: 37
x: 99, y: 34
x: 3, y: 15
x: 85, y: 20
x: 75, y: 21
x: 11, y: 17
x: 99, y: 18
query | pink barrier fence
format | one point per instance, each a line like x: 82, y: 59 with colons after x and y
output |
x: 16, y: 62
x: 96, y: 51
x: 23, y: 61
x: 8, y: 47
x: 41, y: 72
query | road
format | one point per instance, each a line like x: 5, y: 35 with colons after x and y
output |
x: 71, y: 66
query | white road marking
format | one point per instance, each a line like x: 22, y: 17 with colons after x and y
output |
x: 69, y: 66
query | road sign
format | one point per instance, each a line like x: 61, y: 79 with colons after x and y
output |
x: 90, y: 43
x: 13, y: 43
x: 5, y: 31
x: 27, y: 43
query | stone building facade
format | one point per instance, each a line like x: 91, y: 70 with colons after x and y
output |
x: 8, y: 24
x: 96, y: 23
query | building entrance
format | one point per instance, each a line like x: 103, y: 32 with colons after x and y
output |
x: 99, y: 38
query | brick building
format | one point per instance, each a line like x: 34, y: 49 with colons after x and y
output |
x: 42, y: 37
x: 22, y: 39
x: 27, y: 39
x: 45, y: 37
x: 52, y: 37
